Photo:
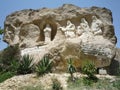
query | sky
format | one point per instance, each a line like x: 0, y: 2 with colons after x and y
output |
x: 9, y: 6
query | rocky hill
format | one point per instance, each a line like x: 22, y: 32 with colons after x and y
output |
x: 63, y: 33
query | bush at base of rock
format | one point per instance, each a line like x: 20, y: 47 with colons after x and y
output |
x: 6, y: 75
x: 7, y: 56
x: 89, y: 69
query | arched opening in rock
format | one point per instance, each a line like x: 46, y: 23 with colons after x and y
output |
x: 44, y: 28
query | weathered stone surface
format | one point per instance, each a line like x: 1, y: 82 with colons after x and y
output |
x: 66, y: 32
x: 20, y: 20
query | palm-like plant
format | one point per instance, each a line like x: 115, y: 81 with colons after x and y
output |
x: 71, y: 68
x: 44, y: 66
x: 25, y: 66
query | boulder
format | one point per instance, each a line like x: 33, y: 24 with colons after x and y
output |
x: 63, y: 33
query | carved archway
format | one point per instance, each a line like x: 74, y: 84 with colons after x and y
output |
x: 43, y: 26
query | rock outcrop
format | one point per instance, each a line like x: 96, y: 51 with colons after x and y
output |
x: 66, y: 32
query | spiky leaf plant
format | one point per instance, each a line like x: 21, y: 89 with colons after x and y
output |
x: 25, y: 66
x: 44, y: 66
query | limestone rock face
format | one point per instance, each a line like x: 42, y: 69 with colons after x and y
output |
x: 66, y: 32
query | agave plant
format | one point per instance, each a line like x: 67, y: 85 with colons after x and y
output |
x: 25, y: 66
x: 71, y: 68
x: 44, y: 66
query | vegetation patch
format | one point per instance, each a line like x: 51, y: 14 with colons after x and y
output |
x: 6, y: 75
x: 71, y: 69
x: 25, y: 66
x: 44, y: 66
x: 89, y: 69
x: 101, y: 84
x: 56, y: 84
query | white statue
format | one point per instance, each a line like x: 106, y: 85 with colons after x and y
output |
x: 84, y: 24
x: 70, y: 26
x: 69, y: 30
x: 96, y: 26
x: 79, y: 30
x: 47, y: 32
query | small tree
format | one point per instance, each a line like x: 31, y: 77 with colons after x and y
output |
x: 71, y: 68
x: 89, y: 69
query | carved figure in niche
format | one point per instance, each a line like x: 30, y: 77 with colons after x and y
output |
x: 79, y: 30
x: 69, y: 30
x: 47, y: 32
x: 96, y: 26
x: 84, y: 24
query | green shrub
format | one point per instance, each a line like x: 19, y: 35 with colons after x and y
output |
x: 1, y: 32
x: 87, y: 81
x: 116, y: 84
x: 9, y: 62
x: 25, y: 66
x: 89, y: 69
x: 71, y: 68
x: 83, y: 83
x: 7, y: 56
x: 72, y: 85
x: 14, y: 66
x: 6, y: 75
x: 44, y: 66
x: 56, y: 85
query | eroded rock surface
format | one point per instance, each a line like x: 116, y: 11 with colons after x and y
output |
x: 66, y: 32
